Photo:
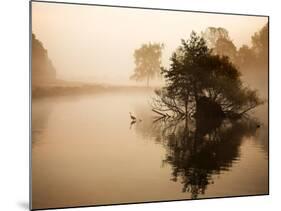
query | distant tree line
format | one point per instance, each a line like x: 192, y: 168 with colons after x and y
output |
x: 43, y: 70
x: 245, y: 58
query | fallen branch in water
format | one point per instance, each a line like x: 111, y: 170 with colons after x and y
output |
x: 158, y: 112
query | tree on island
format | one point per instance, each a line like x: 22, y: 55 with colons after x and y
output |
x: 148, y: 62
x: 201, y: 84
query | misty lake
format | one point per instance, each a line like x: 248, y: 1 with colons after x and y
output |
x: 86, y: 151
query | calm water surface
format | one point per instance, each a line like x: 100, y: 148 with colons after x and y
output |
x: 85, y: 151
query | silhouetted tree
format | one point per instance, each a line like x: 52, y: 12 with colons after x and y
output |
x: 147, y: 61
x: 196, y: 74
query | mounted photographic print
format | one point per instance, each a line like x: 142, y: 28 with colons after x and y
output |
x: 135, y: 105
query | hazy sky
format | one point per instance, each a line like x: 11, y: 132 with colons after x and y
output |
x: 96, y: 44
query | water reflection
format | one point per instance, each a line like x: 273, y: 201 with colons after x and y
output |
x: 197, y: 151
x: 83, y: 149
x: 40, y: 116
x: 132, y: 123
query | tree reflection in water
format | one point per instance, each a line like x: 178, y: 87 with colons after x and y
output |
x: 40, y: 117
x: 198, y: 151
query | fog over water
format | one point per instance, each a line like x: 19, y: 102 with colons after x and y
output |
x: 84, y: 152
x: 96, y: 137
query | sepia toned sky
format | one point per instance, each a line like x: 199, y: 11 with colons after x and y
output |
x: 96, y: 44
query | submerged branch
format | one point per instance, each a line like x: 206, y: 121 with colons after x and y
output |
x: 158, y: 112
x: 248, y: 109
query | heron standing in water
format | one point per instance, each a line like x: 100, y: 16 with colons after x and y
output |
x: 132, y: 117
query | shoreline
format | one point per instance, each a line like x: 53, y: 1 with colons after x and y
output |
x: 68, y: 90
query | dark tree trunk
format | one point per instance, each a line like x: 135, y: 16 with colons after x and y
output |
x: 209, y: 115
x: 186, y: 107
x: 195, y: 94
x: 207, y: 108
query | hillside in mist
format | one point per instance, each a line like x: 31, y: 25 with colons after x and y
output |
x: 43, y: 71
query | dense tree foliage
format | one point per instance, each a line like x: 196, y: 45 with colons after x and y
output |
x: 147, y: 61
x: 195, y: 74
